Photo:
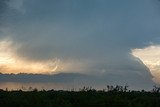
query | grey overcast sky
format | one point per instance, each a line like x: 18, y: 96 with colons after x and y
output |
x: 93, y: 37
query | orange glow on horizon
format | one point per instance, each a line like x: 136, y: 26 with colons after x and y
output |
x: 11, y: 63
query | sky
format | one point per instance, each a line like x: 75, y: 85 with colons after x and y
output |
x: 115, y: 40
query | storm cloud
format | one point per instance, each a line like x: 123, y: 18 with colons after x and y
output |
x: 87, y: 36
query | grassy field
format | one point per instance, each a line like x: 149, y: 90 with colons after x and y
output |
x: 86, y: 97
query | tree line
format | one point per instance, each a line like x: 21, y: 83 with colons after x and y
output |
x: 112, y: 96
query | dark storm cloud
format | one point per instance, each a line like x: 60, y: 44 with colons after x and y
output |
x: 100, y: 31
x: 80, y: 80
x: 70, y: 27
x: 3, y: 8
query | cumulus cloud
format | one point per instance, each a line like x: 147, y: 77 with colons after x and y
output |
x: 150, y: 57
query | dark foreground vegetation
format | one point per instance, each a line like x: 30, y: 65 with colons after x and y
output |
x: 117, y: 96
